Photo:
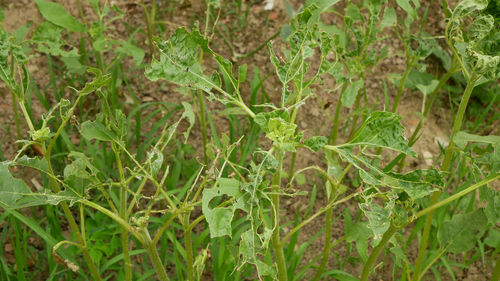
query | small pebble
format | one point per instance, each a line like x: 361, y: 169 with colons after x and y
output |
x: 440, y: 141
x: 427, y: 158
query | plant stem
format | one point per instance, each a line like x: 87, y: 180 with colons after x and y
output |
x: 356, y: 116
x: 56, y: 188
x: 188, y: 245
x: 376, y: 251
x: 276, y: 243
x: 329, y: 211
x: 123, y: 214
x: 445, y: 167
x: 153, y: 255
x: 16, y: 116
x: 335, y: 127
x: 293, y: 121
x: 328, y: 238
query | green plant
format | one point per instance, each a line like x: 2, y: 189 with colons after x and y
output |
x: 133, y: 186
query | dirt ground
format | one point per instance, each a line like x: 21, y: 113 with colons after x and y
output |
x: 437, y: 126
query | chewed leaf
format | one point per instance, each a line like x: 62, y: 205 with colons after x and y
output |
x: 466, y: 7
x: 179, y: 61
x: 379, y: 219
x: 481, y: 26
x: 219, y: 218
x: 100, y: 80
x: 7, y: 48
x: 315, y: 143
x: 14, y: 193
x: 382, y: 129
x: 11, y: 189
x: 461, y: 232
x: 48, y: 37
x: 417, y: 184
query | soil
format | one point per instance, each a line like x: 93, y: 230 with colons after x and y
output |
x: 262, y: 24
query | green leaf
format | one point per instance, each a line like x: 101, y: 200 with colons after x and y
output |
x: 96, y: 130
x: 55, y: 13
x: 492, y: 200
x: 359, y: 233
x: 189, y: 115
x: 73, y: 65
x: 219, y: 218
x: 493, y: 238
x: 282, y: 133
x: 462, y: 138
x: 426, y: 89
x: 262, y: 118
x: 461, y: 232
x: 382, y: 129
x: 351, y: 92
x: 390, y: 18
x: 130, y: 49
x: 406, y: 6
x: 48, y: 37
x: 179, y: 60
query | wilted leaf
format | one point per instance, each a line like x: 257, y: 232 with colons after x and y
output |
x: 382, y: 129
